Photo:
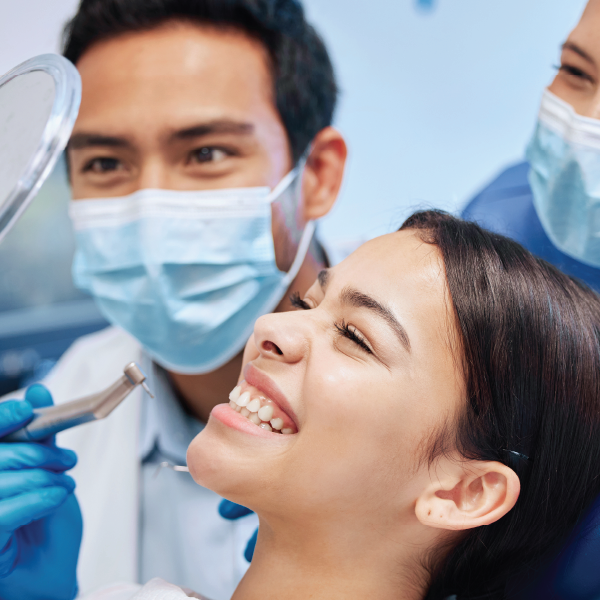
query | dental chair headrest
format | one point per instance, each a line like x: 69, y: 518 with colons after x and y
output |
x: 575, y: 573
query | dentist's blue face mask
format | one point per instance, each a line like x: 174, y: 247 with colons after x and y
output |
x: 565, y: 178
x: 187, y: 273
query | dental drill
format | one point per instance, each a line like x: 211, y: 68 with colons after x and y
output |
x: 50, y: 420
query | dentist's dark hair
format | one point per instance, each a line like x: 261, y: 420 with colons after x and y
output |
x: 530, y: 352
x: 304, y: 84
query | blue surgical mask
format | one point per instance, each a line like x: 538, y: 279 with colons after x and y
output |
x: 187, y: 273
x: 565, y: 178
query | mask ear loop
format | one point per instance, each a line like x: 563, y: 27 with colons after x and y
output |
x: 309, y: 228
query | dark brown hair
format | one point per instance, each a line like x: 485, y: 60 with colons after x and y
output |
x: 531, y: 358
x: 304, y: 84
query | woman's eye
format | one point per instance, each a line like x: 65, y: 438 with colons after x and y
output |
x: 350, y: 332
x: 208, y: 154
x: 102, y: 165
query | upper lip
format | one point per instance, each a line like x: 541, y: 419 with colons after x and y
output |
x: 261, y: 381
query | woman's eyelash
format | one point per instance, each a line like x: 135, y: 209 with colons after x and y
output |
x: 297, y: 302
x: 344, y: 330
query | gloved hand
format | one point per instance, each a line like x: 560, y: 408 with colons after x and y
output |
x: 40, y: 521
x: 232, y: 512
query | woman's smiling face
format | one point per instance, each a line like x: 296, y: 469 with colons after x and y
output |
x: 367, y: 371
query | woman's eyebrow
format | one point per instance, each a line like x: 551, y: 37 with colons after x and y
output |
x: 352, y: 297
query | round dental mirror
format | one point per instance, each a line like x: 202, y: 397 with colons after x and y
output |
x: 39, y: 101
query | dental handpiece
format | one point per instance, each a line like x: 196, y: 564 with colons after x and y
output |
x: 52, y: 419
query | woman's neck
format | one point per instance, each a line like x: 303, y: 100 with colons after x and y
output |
x: 329, y: 563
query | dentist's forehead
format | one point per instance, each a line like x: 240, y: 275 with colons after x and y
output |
x: 177, y: 73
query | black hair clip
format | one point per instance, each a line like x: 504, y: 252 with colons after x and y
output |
x: 517, y: 454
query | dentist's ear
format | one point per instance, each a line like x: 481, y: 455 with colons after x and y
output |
x: 467, y: 495
x: 323, y: 173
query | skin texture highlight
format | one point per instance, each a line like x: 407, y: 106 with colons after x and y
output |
x: 190, y: 107
x: 348, y: 506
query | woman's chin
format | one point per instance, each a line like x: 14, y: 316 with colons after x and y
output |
x: 217, y: 464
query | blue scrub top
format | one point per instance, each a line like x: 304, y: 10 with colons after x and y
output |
x: 505, y: 206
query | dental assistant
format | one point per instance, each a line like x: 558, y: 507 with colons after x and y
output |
x: 201, y: 158
x: 551, y: 202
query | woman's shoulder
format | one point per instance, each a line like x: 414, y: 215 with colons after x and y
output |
x: 155, y: 589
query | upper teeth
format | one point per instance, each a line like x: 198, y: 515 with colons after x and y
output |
x: 255, y: 412
x: 243, y: 399
x: 254, y: 405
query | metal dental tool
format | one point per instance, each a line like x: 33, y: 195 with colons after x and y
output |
x: 167, y: 465
x: 51, y: 419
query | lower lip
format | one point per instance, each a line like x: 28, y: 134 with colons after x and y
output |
x: 226, y: 415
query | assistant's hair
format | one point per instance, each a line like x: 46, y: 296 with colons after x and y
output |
x: 305, y: 89
x: 529, y: 337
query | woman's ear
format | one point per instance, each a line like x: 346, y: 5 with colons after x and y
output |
x: 323, y: 173
x: 468, y: 495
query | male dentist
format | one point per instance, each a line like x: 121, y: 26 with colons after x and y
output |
x: 201, y: 158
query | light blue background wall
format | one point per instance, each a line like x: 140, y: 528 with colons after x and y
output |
x: 434, y: 103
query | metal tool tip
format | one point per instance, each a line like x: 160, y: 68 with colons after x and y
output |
x: 147, y: 389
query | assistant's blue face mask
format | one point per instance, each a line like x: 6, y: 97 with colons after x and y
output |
x: 564, y: 154
x: 186, y: 273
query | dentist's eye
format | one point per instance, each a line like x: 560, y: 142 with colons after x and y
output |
x: 350, y: 332
x: 208, y: 154
x: 297, y: 302
x: 102, y: 165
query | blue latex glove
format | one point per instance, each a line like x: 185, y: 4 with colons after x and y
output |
x: 232, y: 512
x: 40, y: 521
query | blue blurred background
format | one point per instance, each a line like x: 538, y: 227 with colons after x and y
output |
x: 437, y: 96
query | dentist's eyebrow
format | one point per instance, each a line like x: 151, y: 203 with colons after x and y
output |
x: 353, y: 297
x: 87, y: 140
x: 578, y: 50
x: 203, y: 129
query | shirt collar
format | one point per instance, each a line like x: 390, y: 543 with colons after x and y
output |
x: 165, y: 426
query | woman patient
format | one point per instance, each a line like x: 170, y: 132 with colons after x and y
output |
x: 426, y: 424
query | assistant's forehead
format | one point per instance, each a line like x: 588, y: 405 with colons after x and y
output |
x: 586, y: 31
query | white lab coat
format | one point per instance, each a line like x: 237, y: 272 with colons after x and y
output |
x: 108, y: 471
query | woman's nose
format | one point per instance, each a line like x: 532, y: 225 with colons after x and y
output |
x: 281, y: 337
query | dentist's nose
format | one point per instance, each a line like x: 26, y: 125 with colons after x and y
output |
x: 281, y: 337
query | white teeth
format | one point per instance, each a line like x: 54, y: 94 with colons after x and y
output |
x: 254, y: 412
x: 275, y: 423
x: 266, y: 413
x: 235, y: 393
x: 243, y: 399
x: 254, y: 405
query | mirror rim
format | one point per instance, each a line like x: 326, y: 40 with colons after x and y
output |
x: 67, y: 97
